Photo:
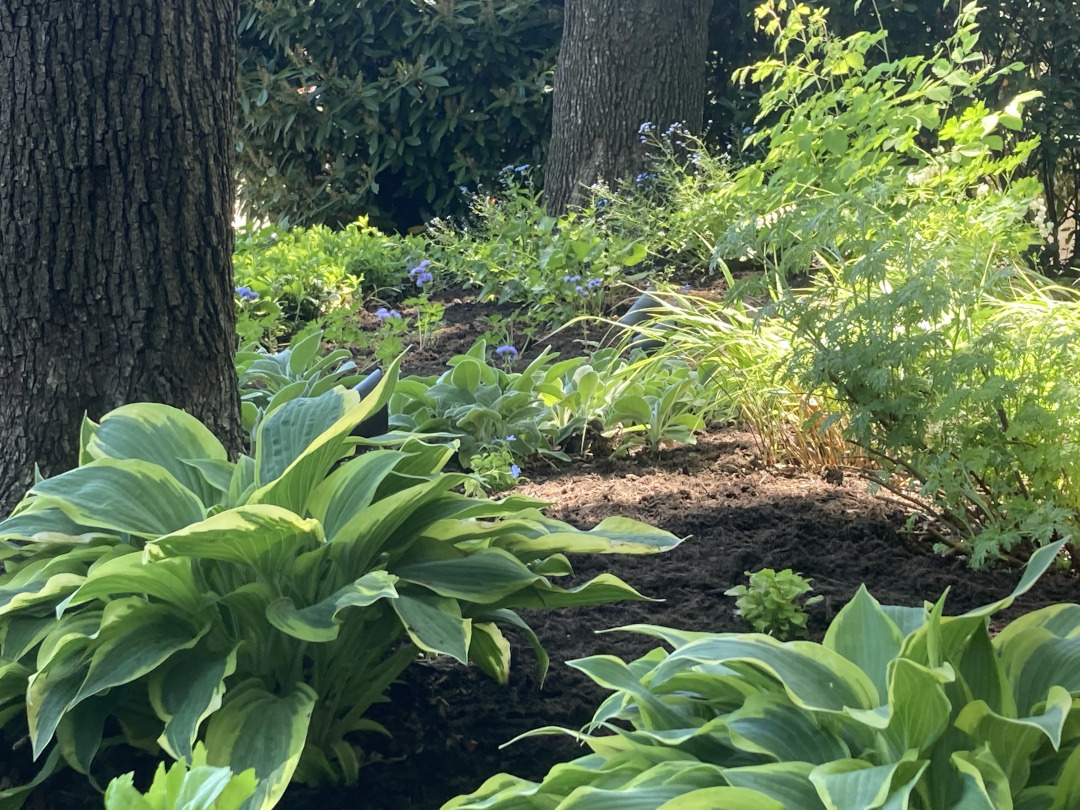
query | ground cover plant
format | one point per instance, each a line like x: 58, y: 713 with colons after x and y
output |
x: 161, y: 587
x: 897, y: 707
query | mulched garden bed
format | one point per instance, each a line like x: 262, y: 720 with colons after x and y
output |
x: 449, y: 721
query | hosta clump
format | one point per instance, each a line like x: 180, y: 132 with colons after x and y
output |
x: 899, y: 708
x: 771, y: 603
x: 162, y: 594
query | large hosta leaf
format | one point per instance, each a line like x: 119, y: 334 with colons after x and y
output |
x: 257, y: 729
x: 161, y: 435
x: 321, y: 621
x: 435, y: 623
x: 184, y: 692
x: 130, y: 496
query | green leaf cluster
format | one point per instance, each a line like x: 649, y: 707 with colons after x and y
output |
x: 899, y: 707
x: 772, y: 602
x: 262, y: 605
x: 197, y: 786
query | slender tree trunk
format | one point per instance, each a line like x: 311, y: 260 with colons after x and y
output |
x: 621, y: 64
x: 116, y: 199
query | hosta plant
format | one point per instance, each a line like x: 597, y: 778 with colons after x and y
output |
x: 900, y: 708
x: 162, y: 594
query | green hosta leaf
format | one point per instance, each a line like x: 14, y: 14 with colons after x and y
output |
x: 1013, y: 742
x: 256, y: 729
x: 918, y: 710
x: 42, y: 523
x: 601, y: 590
x: 1040, y: 650
x: 184, y: 692
x: 814, y: 677
x: 264, y: 537
x: 864, y: 634
x: 489, y: 650
x: 985, y: 787
x: 484, y: 576
x: 613, y: 535
x: 850, y: 783
x: 320, y: 622
x: 349, y: 490
x: 786, y: 782
x: 435, y: 624
x: 722, y: 798
x: 130, y: 496
x: 161, y: 435
x: 770, y: 724
x: 170, y: 580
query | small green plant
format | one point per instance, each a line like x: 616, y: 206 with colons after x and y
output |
x: 898, y: 707
x: 194, y: 786
x: 428, y: 317
x: 773, y: 603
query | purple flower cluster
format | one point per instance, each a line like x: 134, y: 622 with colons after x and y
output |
x: 247, y: 294
x: 420, y: 274
x: 590, y: 285
x: 382, y: 313
x: 515, y: 470
x: 507, y: 352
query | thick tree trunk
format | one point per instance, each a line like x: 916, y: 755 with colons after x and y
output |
x: 116, y: 199
x: 621, y: 64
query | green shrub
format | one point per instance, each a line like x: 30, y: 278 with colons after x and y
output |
x: 771, y: 603
x: 899, y: 707
x: 159, y: 586
x: 197, y: 786
x: 350, y: 108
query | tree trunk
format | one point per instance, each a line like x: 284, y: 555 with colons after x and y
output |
x: 621, y: 64
x: 116, y: 200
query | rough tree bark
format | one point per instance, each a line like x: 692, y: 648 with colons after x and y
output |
x: 621, y: 64
x: 116, y: 200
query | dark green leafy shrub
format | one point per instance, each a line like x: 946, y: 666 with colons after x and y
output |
x: 160, y: 594
x: 899, y: 707
x: 772, y: 602
x: 386, y: 109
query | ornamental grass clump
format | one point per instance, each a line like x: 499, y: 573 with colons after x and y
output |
x: 898, y: 707
x: 160, y: 594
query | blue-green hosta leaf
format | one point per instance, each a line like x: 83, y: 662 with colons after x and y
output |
x: 985, y: 787
x: 217, y: 474
x: 44, y: 524
x: 351, y: 489
x: 259, y: 730
x: 851, y: 783
x: 1014, y: 741
x: 785, y: 782
x: 170, y: 580
x: 51, y: 591
x: 321, y: 622
x: 918, y: 709
x: 306, y: 436
x: 299, y: 443
x: 613, y: 535
x: 135, y: 637
x: 489, y: 650
x: 434, y: 623
x: 863, y: 634
x: 484, y: 576
x: 508, y: 617
x: 80, y: 731
x: 600, y: 590
x: 1039, y: 650
x: 264, y: 537
x: 770, y: 724
x: 184, y: 692
x: 723, y: 798
x: 130, y: 496
x: 161, y: 435
x: 813, y: 676
x: 982, y: 674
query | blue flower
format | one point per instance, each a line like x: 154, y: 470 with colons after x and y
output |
x: 382, y: 313
x: 423, y: 278
x: 507, y: 351
x: 515, y: 470
x: 522, y: 168
x: 581, y: 290
x: 593, y: 283
x: 571, y: 279
x: 508, y: 439
x: 247, y: 294
x: 420, y: 271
